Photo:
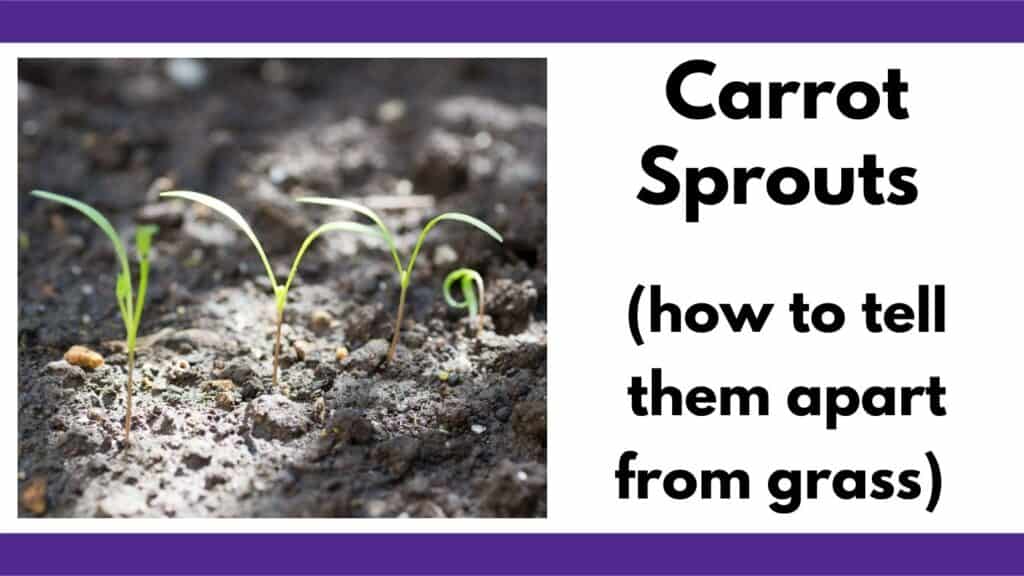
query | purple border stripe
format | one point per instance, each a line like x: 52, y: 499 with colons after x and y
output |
x: 513, y: 21
x: 512, y: 554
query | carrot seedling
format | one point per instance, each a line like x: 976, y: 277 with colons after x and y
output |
x: 280, y: 290
x: 128, y: 301
x: 466, y: 278
x: 404, y: 272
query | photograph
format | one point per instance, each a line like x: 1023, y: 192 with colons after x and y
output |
x: 282, y: 288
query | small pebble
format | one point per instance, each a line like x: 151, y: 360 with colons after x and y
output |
x: 391, y: 111
x: 221, y: 385
x: 341, y: 353
x: 278, y: 175
x: 303, y: 349
x: 60, y: 228
x: 376, y: 508
x: 188, y: 73
x: 84, y: 357
x: 319, y: 409
x: 225, y: 400
x: 482, y: 140
x: 403, y: 187
x: 33, y: 497
x: 445, y: 255
x: 161, y: 184
x: 320, y: 320
x: 478, y: 428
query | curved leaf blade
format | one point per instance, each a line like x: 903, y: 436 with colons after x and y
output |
x: 143, y: 243
x: 328, y: 227
x: 360, y: 209
x: 97, y: 218
x: 446, y: 290
x: 467, y: 219
x: 226, y: 210
x: 467, y: 278
x: 123, y: 288
x: 144, y: 239
x: 457, y: 216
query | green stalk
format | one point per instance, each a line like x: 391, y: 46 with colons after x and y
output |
x: 466, y: 278
x: 398, y: 319
x: 404, y: 272
x: 277, y: 345
x: 128, y: 305
x: 280, y: 291
x: 128, y: 406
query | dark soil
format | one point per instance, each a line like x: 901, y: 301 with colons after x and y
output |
x: 454, y: 426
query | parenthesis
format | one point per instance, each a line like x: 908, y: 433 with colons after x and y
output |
x: 933, y: 463
x: 634, y: 308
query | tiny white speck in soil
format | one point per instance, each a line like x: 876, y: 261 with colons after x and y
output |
x: 482, y: 140
x: 478, y: 429
x: 403, y: 188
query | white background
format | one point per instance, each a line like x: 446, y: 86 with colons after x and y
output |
x: 606, y: 105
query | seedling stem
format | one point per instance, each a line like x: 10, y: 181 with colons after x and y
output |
x: 129, y: 302
x: 468, y: 279
x: 280, y: 291
x: 277, y: 345
x: 404, y: 272
x: 398, y: 319
x: 128, y: 404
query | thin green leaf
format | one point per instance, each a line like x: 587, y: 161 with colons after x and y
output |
x: 143, y: 243
x: 122, y: 292
x: 122, y: 256
x: 231, y: 214
x: 329, y: 227
x: 466, y: 278
x: 140, y: 300
x: 359, y: 208
x: 466, y: 218
x: 99, y: 219
x: 457, y: 216
x: 467, y: 291
x: 280, y: 297
x: 446, y: 288
x: 144, y: 239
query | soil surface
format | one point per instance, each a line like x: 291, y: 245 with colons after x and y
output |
x: 454, y: 426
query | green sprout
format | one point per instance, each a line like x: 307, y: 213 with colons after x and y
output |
x: 280, y: 291
x: 466, y: 278
x: 404, y: 272
x: 128, y: 301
